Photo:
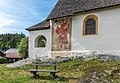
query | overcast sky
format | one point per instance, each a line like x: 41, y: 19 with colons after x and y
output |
x: 16, y: 15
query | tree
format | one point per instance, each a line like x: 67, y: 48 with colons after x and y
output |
x: 23, y: 48
x: 10, y: 40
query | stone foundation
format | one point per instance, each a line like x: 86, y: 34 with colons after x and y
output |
x: 86, y: 55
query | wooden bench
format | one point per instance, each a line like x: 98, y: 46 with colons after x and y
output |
x: 52, y: 72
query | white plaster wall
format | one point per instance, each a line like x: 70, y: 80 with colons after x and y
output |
x: 108, y: 37
x: 38, y: 51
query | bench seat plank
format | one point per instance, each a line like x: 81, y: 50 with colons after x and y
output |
x: 46, y: 64
x: 34, y: 70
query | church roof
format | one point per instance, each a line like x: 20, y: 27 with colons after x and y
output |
x: 69, y: 7
x: 65, y: 8
x: 40, y: 26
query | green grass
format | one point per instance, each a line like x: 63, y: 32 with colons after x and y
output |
x: 70, y: 72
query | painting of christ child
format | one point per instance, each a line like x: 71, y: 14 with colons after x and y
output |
x: 62, y: 35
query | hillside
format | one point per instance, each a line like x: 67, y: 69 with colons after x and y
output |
x: 77, y: 71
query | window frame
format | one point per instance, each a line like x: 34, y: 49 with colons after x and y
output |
x: 84, y: 24
x: 37, y: 41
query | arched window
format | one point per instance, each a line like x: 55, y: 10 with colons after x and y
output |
x: 40, y: 41
x: 90, y: 25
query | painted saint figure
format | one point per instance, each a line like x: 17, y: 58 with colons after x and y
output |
x: 62, y: 31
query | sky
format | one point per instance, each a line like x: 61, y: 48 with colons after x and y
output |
x: 17, y: 15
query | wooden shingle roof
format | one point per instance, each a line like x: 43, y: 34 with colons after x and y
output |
x: 40, y: 26
x: 69, y: 7
x: 65, y: 8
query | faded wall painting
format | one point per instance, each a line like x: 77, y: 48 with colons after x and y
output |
x: 61, y: 37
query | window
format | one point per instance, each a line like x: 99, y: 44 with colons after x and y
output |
x: 90, y: 25
x: 40, y: 41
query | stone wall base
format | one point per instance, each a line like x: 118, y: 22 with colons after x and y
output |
x: 103, y: 55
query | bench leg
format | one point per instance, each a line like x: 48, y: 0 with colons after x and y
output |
x: 35, y: 74
x: 53, y: 75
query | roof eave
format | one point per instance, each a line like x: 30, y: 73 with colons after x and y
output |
x: 96, y: 8
x: 35, y: 29
x: 59, y: 17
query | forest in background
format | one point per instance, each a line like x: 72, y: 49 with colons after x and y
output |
x: 19, y: 41
x: 10, y: 40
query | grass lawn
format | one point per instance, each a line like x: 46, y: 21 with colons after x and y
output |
x: 70, y: 72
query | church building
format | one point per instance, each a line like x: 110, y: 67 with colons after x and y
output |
x: 77, y: 26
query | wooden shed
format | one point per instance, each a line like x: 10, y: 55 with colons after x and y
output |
x: 12, y: 55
